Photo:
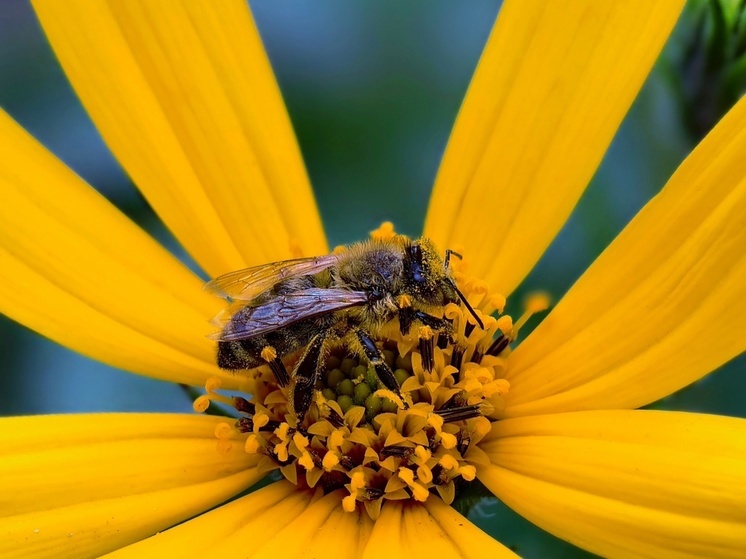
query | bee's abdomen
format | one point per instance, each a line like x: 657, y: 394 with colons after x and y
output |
x: 238, y: 355
x: 246, y: 354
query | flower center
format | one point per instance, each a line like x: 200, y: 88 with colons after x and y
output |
x: 365, y: 439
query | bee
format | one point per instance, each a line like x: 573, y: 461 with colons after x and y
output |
x: 345, y: 298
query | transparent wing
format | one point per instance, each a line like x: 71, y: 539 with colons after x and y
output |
x: 287, y: 309
x: 246, y: 284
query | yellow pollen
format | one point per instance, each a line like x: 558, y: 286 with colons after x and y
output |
x: 349, y: 503
x: 384, y: 232
x: 533, y: 304
x: 422, y: 453
x: 252, y: 444
x: 468, y: 472
x: 505, y: 324
x: 419, y: 492
x: 330, y: 461
x: 425, y: 474
x: 300, y: 441
x: 384, y: 393
x: 426, y: 333
x: 494, y: 303
x: 336, y: 439
x: 269, y: 353
x: 357, y: 481
x: 260, y: 420
x: 404, y: 301
x: 537, y: 302
x: 282, y: 431
x: 406, y: 475
x: 448, y: 462
x: 281, y: 450
x: 449, y: 441
x: 306, y: 461
x: 435, y: 421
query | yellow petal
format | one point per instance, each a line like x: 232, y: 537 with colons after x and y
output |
x: 553, y: 84
x: 661, y: 307
x: 626, y: 483
x: 324, y: 529
x: 83, y: 485
x: 228, y: 532
x: 76, y: 270
x: 184, y: 96
x: 469, y: 539
x: 430, y: 530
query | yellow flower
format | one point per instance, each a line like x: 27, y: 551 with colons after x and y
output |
x: 185, y: 99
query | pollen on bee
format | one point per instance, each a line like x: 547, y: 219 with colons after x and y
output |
x: 269, y: 353
x: 384, y: 232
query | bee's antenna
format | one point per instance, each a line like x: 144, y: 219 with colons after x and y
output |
x: 466, y: 304
x: 450, y: 252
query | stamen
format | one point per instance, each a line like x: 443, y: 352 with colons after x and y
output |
x: 463, y: 413
x: 442, y: 340
x: 427, y: 347
x: 534, y: 303
x: 457, y: 356
x: 269, y: 354
x: 498, y: 346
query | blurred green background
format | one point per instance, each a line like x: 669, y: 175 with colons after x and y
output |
x: 373, y: 89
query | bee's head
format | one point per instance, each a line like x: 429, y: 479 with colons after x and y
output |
x: 426, y: 274
x: 428, y: 277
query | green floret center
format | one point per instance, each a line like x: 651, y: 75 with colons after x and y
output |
x: 351, y: 381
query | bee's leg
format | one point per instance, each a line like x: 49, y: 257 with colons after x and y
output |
x: 408, y: 316
x: 374, y: 355
x: 306, y: 374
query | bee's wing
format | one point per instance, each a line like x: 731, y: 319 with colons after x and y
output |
x: 287, y: 309
x: 248, y: 283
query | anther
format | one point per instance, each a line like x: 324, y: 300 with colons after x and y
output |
x: 245, y: 425
x: 269, y: 354
x: 333, y: 417
x: 370, y: 493
x: 457, y: 356
x: 427, y: 348
x: 243, y: 405
x: 469, y: 328
x: 464, y: 440
x: 456, y: 401
x: 498, y: 346
x: 442, y: 340
x: 346, y: 462
x: 398, y: 451
x: 460, y: 414
x: 440, y: 477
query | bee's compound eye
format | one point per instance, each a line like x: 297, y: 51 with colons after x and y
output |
x: 415, y: 256
x: 416, y: 252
